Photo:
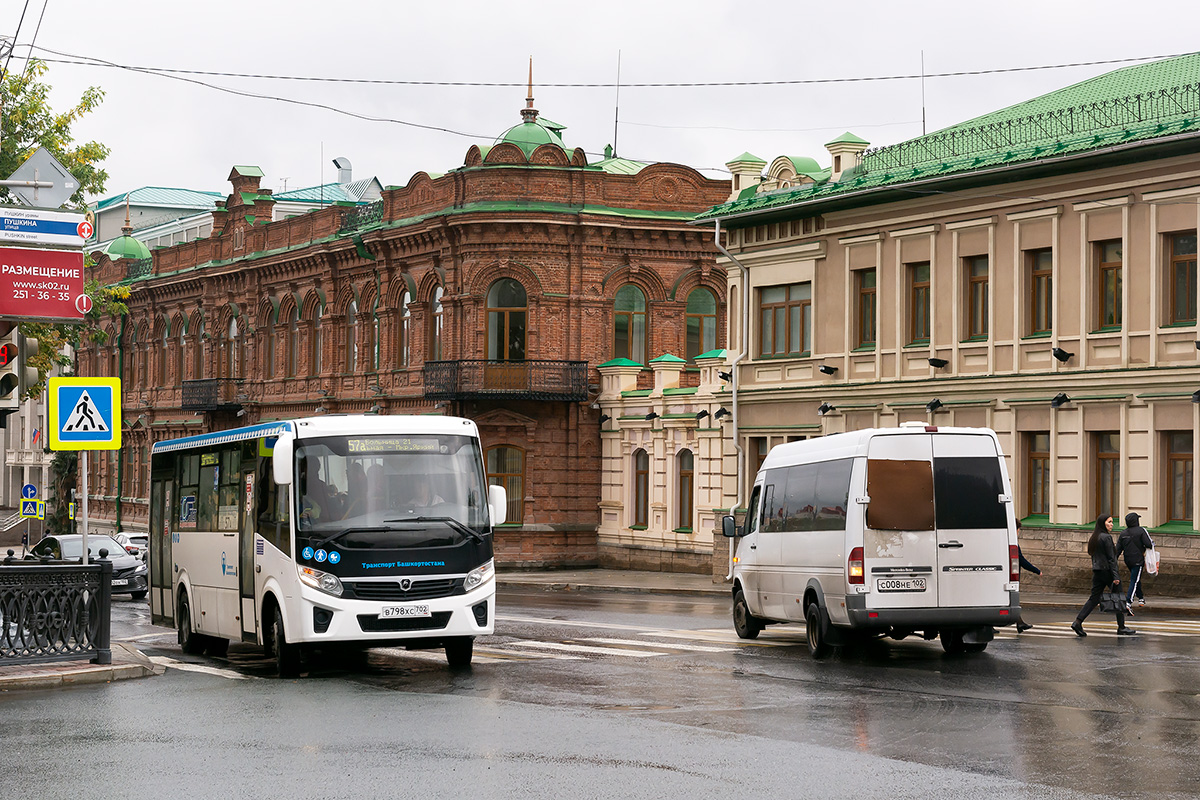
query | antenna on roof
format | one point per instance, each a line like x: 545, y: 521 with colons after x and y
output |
x: 617, y: 106
x: 922, y: 92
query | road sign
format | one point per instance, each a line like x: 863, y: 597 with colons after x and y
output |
x: 35, y: 226
x: 41, y: 284
x: 71, y: 510
x: 41, y: 166
x: 29, y: 491
x: 29, y: 508
x: 85, y: 414
x: 41, y: 509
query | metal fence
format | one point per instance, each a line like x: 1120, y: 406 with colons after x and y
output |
x: 514, y: 380
x: 362, y: 216
x: 55, y: 611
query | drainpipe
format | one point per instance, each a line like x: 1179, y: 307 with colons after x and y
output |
x: 745, y: 342
x: 121, y: 374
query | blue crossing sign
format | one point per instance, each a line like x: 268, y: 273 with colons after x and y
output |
x: 29, y: 508
x: 85, y: 414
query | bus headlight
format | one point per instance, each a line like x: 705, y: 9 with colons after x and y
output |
x: 330, y: 584
x: 479, y: 575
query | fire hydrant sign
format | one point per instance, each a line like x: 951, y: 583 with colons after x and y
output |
x: 85, y: 414
x: 42, y: 284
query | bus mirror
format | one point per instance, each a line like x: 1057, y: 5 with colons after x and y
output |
x: 728, y: 526
x: 281, y: 460
x: 498, y: 504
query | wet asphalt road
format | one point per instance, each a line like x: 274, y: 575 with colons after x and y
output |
x: 603, y: 695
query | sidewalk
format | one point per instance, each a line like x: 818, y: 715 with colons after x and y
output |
x: 129, y: 662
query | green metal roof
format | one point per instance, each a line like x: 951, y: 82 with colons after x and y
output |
x: 620, y: 166
x: 127, y: 247
x: 248, y: 171
x: 747, y: 156
x: 162, y: 196
x: 718, y: 353
x: 668, y: 358
x: 847, y: 138
x: 619, y: 362
x: 1135, y: 104
x: 529, y: 136
x: 329, y: 193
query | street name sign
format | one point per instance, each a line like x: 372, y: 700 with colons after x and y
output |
x: 42, y: 284
x: 34, y: 226
x: 85, y: 414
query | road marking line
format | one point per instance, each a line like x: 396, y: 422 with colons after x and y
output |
x: 146, y: 636
x: 576, y: 623
x: 697, y: 648
x: 188, y: 667
x: 517, y: 655
x: 580, y: 648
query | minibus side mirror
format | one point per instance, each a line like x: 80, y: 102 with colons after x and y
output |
x: 729, y: 526
x: 281, y: 459
x: 498, y: 504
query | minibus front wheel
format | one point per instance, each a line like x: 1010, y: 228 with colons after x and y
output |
x: 745, y: 624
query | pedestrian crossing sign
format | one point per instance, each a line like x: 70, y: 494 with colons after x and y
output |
x: 29, y: 509
x: 85, y: 414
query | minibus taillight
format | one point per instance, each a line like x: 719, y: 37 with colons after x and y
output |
x: 854, y: 566
x: 1014, y: 564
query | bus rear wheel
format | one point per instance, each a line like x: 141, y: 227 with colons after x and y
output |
x: 459, y: 651
x: 190, y: 642
x: 287, y: 656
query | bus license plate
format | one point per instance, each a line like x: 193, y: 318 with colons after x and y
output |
x: 901, y: 584
x: 394, y: 612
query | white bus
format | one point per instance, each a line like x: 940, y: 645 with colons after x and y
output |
x: 887, y: 531
x: 314, y: 534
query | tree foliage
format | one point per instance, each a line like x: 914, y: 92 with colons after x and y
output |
x: 27, y: 122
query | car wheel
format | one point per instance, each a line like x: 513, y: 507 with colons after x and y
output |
x: 952, y: 642
x: 818, y: 636
x: 745, y: 624
x: 287, y: 656
x: 459, y: 651
x: 138, y: 595
x: 190, y: 642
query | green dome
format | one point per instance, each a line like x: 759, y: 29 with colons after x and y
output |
x: 529, y: 136
x: 127, y: 247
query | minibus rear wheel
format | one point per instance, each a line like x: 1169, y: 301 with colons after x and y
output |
x: 818, y: 638
x: 745, y: 624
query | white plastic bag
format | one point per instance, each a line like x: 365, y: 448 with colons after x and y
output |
x: 1152, y: 562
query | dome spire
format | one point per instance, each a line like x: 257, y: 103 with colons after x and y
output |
x: 529, y: 113
x: 128, y: 229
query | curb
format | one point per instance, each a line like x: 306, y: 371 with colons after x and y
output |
x: 133, y: 664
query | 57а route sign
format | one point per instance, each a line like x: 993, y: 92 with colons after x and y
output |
x: 85, y: 414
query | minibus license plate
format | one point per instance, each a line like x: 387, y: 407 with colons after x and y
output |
x: 901, y: 584
x: 394, y: 612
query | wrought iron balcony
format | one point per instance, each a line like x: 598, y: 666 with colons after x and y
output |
x: 211, y: 394
x: 478, y: 379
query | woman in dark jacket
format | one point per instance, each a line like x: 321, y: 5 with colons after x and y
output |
x: 1104, y: 575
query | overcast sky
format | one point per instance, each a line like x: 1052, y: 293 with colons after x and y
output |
x: 166, y: 132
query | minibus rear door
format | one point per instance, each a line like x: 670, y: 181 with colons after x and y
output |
x: 899, y: 539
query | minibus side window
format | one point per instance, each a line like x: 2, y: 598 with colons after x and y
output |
x: 901, y: 495
x: 773, y: 509
x: 801, y: 497
x: 751, y: 522
x: 833, y: 495
x: 968, y: 489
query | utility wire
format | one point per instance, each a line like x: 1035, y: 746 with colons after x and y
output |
x: 658, y: 85
x: 33, y: 42
x: 12, y: 49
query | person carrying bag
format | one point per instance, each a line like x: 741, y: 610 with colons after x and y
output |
x: 1105, y: 578
x: 1134, y: 544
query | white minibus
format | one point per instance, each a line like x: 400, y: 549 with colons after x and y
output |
x: 886, y: 531
x: 325, y: 533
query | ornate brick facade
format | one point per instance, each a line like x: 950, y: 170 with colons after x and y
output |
x: 335, y: 311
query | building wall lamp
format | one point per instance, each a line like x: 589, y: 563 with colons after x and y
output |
x: 938, y: 363
x: 1060, y: 400
x: 933, y: 405
x: 721, y: 412
x: 826, y: 369
x: 1062, y: 355
x: 824, y: 409
x: 701, y: 415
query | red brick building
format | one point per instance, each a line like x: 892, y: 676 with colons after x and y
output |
x: 489, y: 292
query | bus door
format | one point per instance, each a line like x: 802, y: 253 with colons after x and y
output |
x: 246, y: 559
x: 162, y: 600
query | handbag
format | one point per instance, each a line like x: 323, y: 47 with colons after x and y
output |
x: 1111, y: 601
x: 1152, y: 559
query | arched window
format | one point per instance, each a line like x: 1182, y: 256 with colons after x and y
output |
x: 685, y: 466
x: 229, y: 365
x: 180, y: 353
x: 142, y: 345
x: 351, y: 337
x: 641, y: 488
x: 701, y: 321
x: 315, y: 343
x: 506, y: 321
x: 162, y: 354
x: 373, y: 332
x: 129, y: 348
x: 629, y: 324
x: 403, y: 321
x: 293, y: 345
x: 198, y: 350
x: 506, y: 467
x: 435, y: 327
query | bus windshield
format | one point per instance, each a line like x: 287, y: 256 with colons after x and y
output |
x: 388, y: 490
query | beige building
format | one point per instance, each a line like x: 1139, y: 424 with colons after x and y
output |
x: 1032, y: 270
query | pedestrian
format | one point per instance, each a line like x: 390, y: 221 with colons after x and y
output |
x: 1132, y: 544
x: 1104, y: 575
x: 1022, y: 625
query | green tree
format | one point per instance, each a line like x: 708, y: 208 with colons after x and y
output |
x: 27, y: 122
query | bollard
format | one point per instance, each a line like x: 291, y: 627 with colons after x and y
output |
x: 103, y: 630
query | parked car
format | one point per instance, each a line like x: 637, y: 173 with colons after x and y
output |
x: 136, y: 544
x: 129, y: 571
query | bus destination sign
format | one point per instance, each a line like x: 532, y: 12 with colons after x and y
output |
x: 42, y: 284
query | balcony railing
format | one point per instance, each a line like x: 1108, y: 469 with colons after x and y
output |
x: 211, y: 394
x: 474, y: 379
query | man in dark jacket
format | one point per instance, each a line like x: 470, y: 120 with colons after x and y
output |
x: 1132, y: 544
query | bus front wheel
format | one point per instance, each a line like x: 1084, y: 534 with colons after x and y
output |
x: 287, y: 656
x: 459, y: 651
x: 190, y: 642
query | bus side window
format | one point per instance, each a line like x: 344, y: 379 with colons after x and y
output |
x: 272, y: 509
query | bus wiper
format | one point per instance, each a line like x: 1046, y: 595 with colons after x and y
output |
x: 451, y: 521
x: 344, y: 531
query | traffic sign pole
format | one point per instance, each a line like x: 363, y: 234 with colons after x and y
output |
x: 83, y: 471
